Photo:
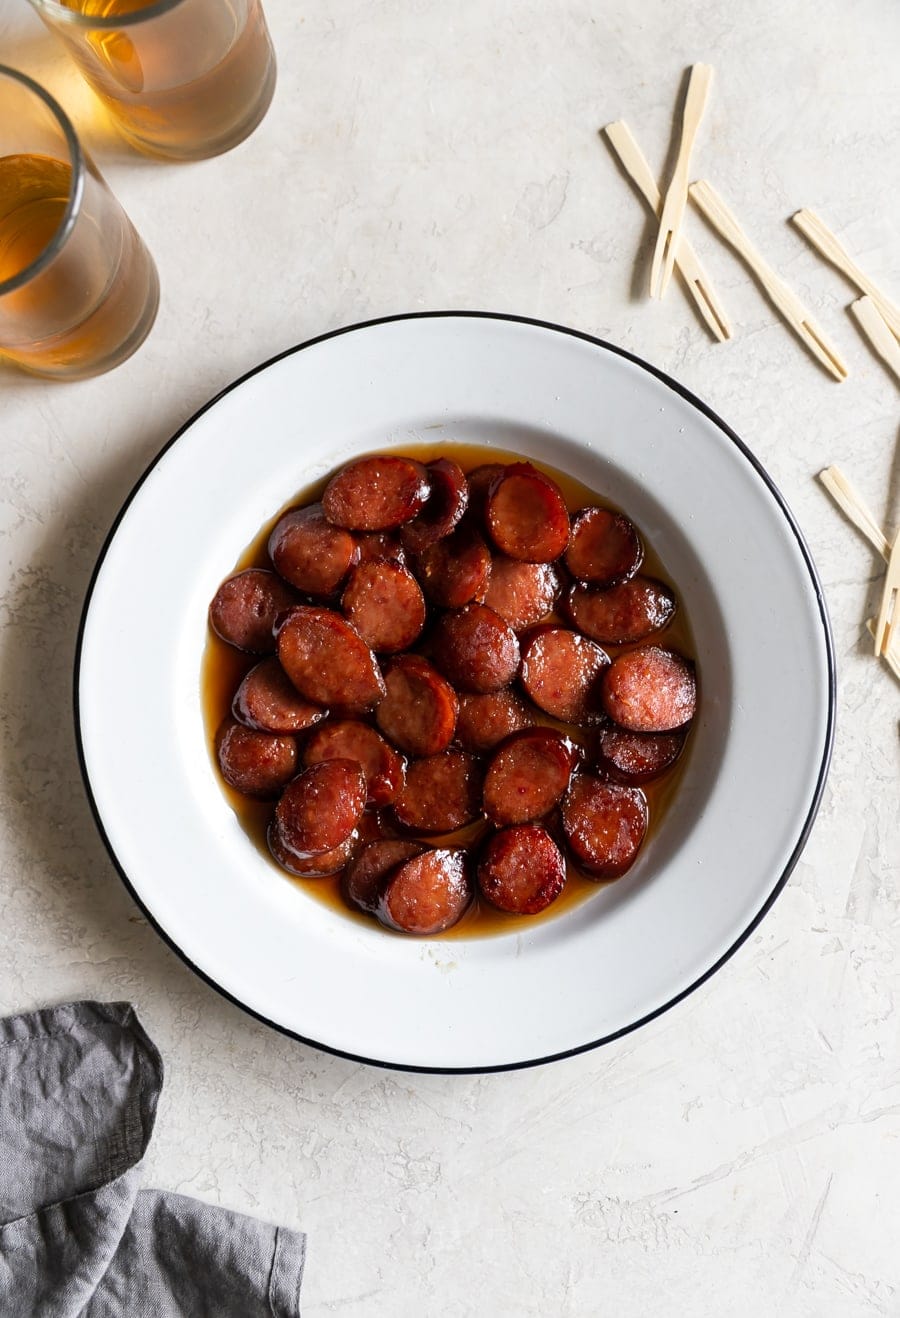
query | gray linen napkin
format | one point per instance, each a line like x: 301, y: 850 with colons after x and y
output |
x: 79, y: 1086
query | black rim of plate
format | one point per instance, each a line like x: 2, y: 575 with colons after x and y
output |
x: 826, y: 632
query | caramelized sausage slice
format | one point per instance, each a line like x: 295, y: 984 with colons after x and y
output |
x: 268, y: 701
x: 605, y: 824
x: 309, y: 867
x: 486, y: 720
x: 380, y: 544
x: 522, y: 593
x: 562, y: 672
x: 428, y: 893
x: 254, y: 763
x: 604, y: 548
x: 456, y: 570
x: 480, y: 480
x: 526, y: 514
x: 246, y: 607
x: 446, y: 505
x: 327, y: 660
x: 377, y: 493
x: 476, y: 648
x: 309, y: 552
x: 319, y: 810
x: 650, y: 690
x: 419, y: 710
x: 385, y: 604
x: 623, y: 614
x: 365, y: 878
x: 637, y: 757
x: 384, y: 768
x: 442, y: 793
x: 527, y: 776
x: 521, y: 870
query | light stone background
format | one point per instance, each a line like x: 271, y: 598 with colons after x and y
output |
x: 740, y: 1155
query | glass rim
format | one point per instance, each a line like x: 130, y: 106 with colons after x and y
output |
x: 76, y: 192
x: 60, y: 13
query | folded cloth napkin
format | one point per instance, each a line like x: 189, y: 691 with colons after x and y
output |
x: 79, y: 1086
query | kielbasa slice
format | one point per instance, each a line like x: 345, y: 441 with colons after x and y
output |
x: 254, y: 763
x: 309, y: 552
x: 522, y: 593
x: 318, y: 866
x: 526, y: 514
x: 268, y: 701
x: 319, y: 810
x: 380, y: 544
x: 365, y: 878
x: 637, y: 757
x: 446, y: 505
x: 623, y: 614
x: 604, y: 547
x: 384, y: 768
x: 480, y: 480
x: 442, y: 793
x: 562, y: 673
x: 650, y: 690
x: 385, y: 604
x: 605, y: 824
x: 419, y: 710
x: 376, y: 493
x: 486, y: 720
x: 527, y: 776
x: 246, y: 607
x: 521, y: 870
x: 476, y: 649
x: 455, y: 570
x: 327, y: 660
x: 428, y: 893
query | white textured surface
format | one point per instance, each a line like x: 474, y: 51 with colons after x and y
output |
x: 741, y: 1154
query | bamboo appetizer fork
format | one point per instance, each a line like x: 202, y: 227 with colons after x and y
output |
x: 676, y: 194
x: 877, y: 331
x: 821, y: 237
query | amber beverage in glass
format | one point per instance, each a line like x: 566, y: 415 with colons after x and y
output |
x: 182, y: 78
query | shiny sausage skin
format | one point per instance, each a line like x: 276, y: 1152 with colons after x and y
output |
x: 562, y: 673
x: 309, y: 552
x: 364, y: 880
x: 442, y: 793
x: 526, y: 514
x: 319, y: 810
x: 427, y: 894
x: 604, y: 548
x: 637, y: 757
x: 605, y: 824
x: 522, y: 593
x: 268, y: 701
x: 376, y: 493
x: 527, y: 776
x: 650, y: 690
x: 446, y: 505
x: 247, y: 606
x: 327, y: 660
x: 254, y: 763
x: 385, y: 604
x: 476, y: 649
x: 419, y: 711
x: 384, y: 768
x: 521, y: 870
x: 623, y: 614
x: 318, y: 866
x: 455, y: 570
x: 486, y: 720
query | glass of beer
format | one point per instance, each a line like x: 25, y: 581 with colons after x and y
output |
x: 182, y: 78
x: 78, y: 288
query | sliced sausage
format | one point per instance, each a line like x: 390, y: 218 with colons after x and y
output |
x: 605, y: 824
x: 521, y: 870
x: 526, y: 514
x: 636, y: 757
x: 428, y: 893
x: 456, y: 570
x: 254, y: 763
x: 480, y: 481
x: 376, y: 493
x: 650, y: 690
x: 522, y: 593
x: 442, y: 793
x: 486, y: 720
x: 318, y: 810
x: 309, y: 552
x: 604, y: 548
x: 476, y: 649
x: 309, y: 867
x: 268, y: 701
x: 446, y: 505
x: 623, y: 614
x: 562, y: 672
x: 385, y: 604
x: 380, y: 544
x: 365, y: 878
x: 419, y: 710
x: 327, y: 660
x: 528, y: 775
x: 246, y: 607
x: 347, y: 739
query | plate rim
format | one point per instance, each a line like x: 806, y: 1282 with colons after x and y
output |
x: 830, y: 715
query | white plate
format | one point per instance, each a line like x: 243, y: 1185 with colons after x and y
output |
x: 745, y: 802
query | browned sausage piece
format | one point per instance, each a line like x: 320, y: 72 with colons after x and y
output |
x: 309, y: 867
x: 384, y: 768
x: 527, y: 515
x: 562, y: 672
x: 480, y: 481
x: 419, y: 711
x: 623, y: 614
x: 636, y: 757
x: 527, y: 776
x: 605, y: 824
x: 650, y: 690
x: 486, y: 720
x: 521, y: 870
x: 255, y: 763
x: 446, y: 505
x: 268, y: 701
x: 604, y: 548
x: 365, y: 878
x: 476, y: 648
x: 385, y: 604
x: 377, y: 493
x: 442, y: 793
x: 246, y: 607
x: 309, y: 552
x: 522, y: 593
x: 456, y: 570
x: 380, y: 544
x: 319, y: 810
x: 328, y: 661
x: 428, y: 893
